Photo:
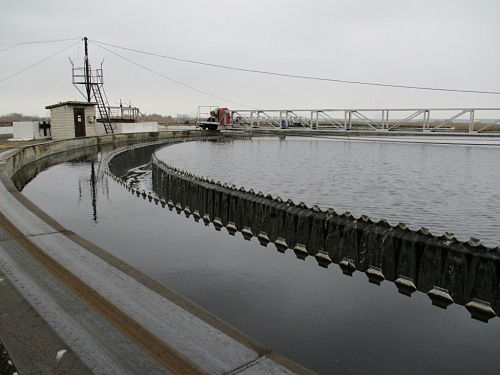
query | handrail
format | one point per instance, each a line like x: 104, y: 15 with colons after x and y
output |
x: 459, y: 120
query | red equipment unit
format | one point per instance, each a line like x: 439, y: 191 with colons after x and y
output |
x: 224, y: 116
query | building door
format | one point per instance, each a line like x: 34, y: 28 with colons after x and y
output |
x: 79, y: 122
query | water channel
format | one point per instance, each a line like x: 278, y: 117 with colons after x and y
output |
x: 318, y: 317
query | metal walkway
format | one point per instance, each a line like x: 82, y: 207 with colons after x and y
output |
x: 446, y: 120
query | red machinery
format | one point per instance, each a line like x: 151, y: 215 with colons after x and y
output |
x: 217, y: 116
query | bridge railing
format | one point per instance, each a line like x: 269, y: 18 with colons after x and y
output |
x: 460, y: 120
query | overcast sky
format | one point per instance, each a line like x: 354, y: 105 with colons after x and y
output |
x: 448, y: 44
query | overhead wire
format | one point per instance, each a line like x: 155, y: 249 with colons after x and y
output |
x: 166, y: 77
x: 301, y: 76
x: 39, y: 62
x: 13, y: 45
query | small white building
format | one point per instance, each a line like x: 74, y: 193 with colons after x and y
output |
x: 72, y: 119
x: 28, y: 130
x: 78, y: 119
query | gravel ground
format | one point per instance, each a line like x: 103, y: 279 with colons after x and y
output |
x: 6, y: 366
x: 5, y: 143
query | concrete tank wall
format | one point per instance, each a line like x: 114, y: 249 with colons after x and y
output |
x: 465, y: 273
x: 19, y: 157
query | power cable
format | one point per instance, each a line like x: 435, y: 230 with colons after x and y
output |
x: 13, y: 45
x: 302, y: 76
x: 39, y: 62
x: 170, y: 79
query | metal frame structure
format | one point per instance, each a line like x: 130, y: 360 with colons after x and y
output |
x: 204, y: 117
x: 476, y: 120
x: 123, y: 113
x: 93, y: 81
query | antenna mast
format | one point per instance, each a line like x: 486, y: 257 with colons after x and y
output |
x: 87, y: 77
x: 92, y: 81
x: 89, y: 82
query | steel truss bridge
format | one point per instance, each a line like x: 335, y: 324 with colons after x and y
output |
x: 461, y: 120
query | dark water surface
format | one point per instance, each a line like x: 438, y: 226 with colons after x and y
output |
x: 318, y: 317
x: 443, y: 187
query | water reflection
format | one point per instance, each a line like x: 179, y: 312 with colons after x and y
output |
x: 29, y: 171
x: 89, y: 185
x: 139, y: 177
x: 93, y: 190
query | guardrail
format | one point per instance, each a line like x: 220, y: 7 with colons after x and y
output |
x: 462, y: 120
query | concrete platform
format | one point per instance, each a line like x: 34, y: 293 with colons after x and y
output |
x: 69, y: 307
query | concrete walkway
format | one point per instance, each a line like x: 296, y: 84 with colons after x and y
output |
x: 69, y: 307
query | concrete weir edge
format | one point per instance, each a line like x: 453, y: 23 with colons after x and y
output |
x: 51, y: 302
x: 447, y: 270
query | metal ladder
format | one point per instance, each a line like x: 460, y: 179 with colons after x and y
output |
x: 102, y: 107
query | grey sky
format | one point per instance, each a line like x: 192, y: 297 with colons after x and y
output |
x: 442, y: 44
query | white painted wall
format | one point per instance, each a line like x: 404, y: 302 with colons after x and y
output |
x: 126, y: 127
x: 139, y: 127
x: 99, y: 127
x: 6, y: 130
x: 90, y: 122
x: 63, y: 121
x: 27, y: 130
